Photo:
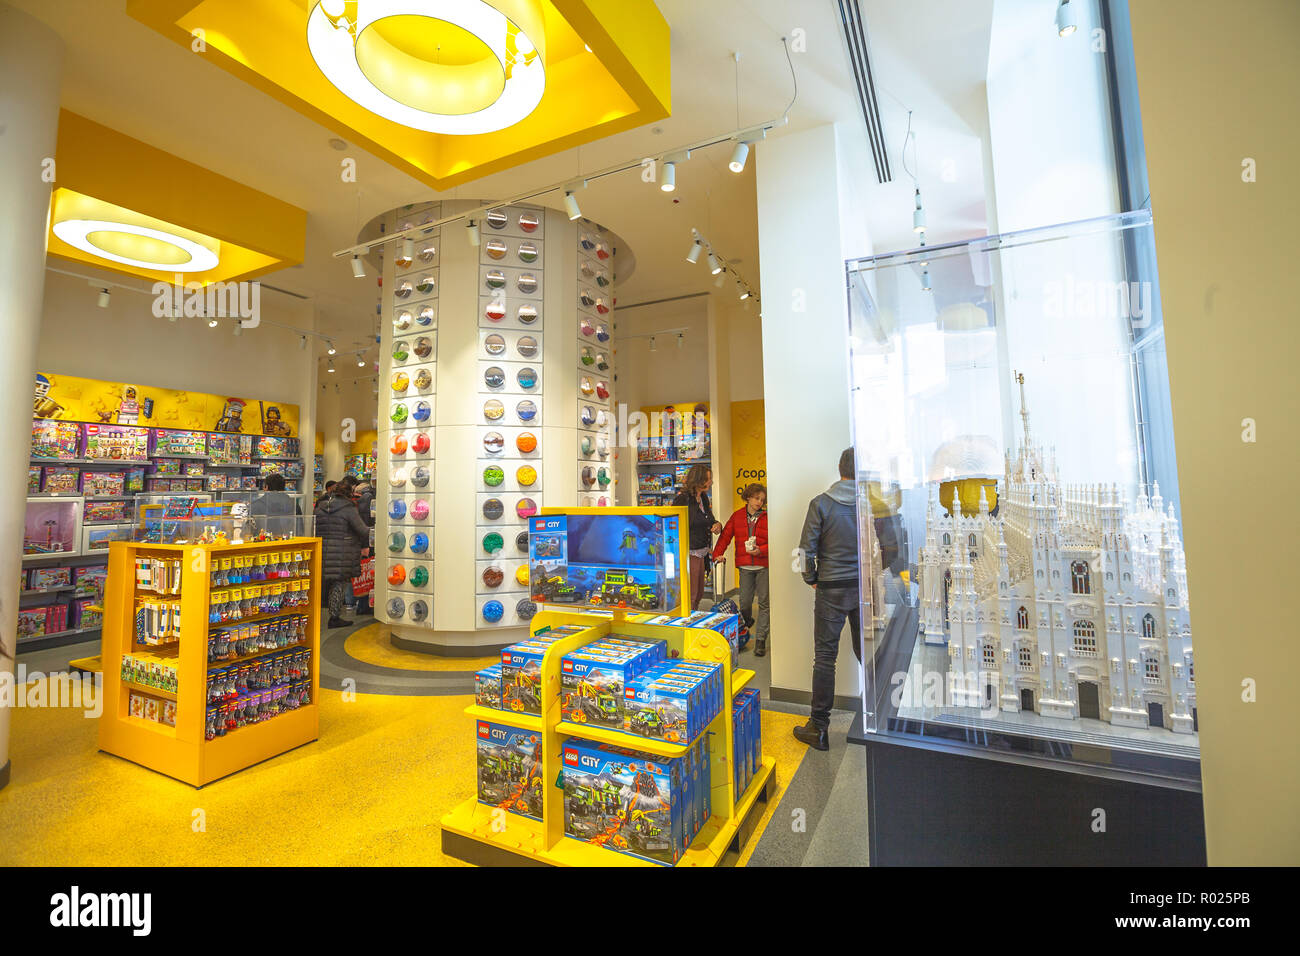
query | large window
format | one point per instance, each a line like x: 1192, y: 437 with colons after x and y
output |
x: 1022, y: 618
x: 1148, y: 627
x: 1085, y: 639
x: 1080, y: 581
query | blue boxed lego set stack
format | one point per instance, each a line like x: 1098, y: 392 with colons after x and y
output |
x: 747, y: 729
x: 509, y: 768
x: 645, y: 806
x: 593, y: 678
x: 728, y: 625
x: 673, y: 700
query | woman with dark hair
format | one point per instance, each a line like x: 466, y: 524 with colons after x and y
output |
x: 343, y: 536
x: 694, y: 496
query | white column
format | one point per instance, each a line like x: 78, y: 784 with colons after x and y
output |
x: 31, y: 67
x: 808, y: 222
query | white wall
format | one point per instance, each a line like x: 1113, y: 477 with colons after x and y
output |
x: 126, y: 342
x: 807, y: 228
x: 666, y: 375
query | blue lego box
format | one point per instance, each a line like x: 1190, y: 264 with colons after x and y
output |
x: 626, y: 801
x: 748, y: 730
x: 673, y: 701
x: 487, y: 686
x: 521, y: 676
x: 592, y: 679
x: 509, y: 768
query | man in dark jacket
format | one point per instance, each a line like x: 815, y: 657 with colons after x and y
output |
x: 829, y: 546
x: 274, y: 509
x: 343, y: 536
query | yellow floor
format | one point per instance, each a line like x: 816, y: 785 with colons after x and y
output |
x: 371, y: 645
x: 370, y: 792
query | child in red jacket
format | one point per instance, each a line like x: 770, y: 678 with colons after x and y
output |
x: 749, y: 527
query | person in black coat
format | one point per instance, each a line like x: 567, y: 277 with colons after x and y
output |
x: 343, y: 536
x: 694, y: 496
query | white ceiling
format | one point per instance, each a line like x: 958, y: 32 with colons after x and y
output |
x: 930, y: 54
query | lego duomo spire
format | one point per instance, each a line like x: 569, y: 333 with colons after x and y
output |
x: 1066, y: 601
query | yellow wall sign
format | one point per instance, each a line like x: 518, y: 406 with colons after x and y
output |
x: 748, y: 447
x: 68, y: 398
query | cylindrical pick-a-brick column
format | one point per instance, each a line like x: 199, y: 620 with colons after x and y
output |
x: 496, y: 399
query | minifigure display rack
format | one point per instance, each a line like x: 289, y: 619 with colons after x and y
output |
x: 479, y: 833
x: 182, y: 752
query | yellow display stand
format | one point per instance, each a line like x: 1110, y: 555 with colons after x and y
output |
x: 181, y: 751
x: 484, y: 834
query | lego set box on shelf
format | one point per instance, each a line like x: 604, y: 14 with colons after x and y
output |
x: 1022, y: 548
x: 102, y: 460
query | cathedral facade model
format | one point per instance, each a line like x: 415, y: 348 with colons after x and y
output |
x: 1067, y: 601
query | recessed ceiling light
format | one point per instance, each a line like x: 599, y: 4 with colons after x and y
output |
x: 488, y: 94
x: 79, y: 233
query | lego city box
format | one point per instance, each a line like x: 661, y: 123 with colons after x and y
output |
x: 521, y: 676
x: 509, y: 768
x: 624, y: 801
x: 592, y: 678
x: 487, y: 686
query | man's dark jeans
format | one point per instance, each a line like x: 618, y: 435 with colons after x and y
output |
x: 830, y: 607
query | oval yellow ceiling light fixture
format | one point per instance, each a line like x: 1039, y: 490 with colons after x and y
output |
x: 459, y: 67
x: 136, y: 245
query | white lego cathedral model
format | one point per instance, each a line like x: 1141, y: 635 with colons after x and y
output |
x: 1069, y: 602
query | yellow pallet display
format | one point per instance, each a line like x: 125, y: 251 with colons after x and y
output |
x: 480, y: 833
x: 181, y: 751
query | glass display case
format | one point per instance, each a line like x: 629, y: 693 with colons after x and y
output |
x: 237, y: 518
x: 53, y: 526
x: 1022, y: 565
x: 279, y: 513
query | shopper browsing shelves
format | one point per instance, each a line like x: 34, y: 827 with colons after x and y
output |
x: 343, y: 535
x: 748, y: 526
x: 694, y: 497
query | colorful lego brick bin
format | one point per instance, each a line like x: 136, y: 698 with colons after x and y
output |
x: 510, y: 768
x: 629, y: 802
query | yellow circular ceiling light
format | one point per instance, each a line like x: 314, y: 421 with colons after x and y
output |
x: 135, y: 245
x: 470, y: 69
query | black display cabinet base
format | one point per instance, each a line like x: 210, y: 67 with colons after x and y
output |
x: 932, y: 804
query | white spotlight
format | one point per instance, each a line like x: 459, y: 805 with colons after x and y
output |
x: 571, y: 206
x: 653, y: 347
x: 212, y: 323
x: 925, y: 280
x: 471, y: 233
x: 361, y: 362
x: 1064, y: 19
x: 680, y: 339
x: 918, y: 215
x: 738, y: 157
x: 358, y: 268
x: 714, y: 265
x: 330, y: 367
x: 329, y: 349
x: 694, y: 255
x: 103, y: 298
x: 670, y: 177
x: 745, y: 293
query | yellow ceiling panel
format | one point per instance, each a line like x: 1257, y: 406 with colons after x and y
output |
x: 121, y: 204
x: 449, y: 91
